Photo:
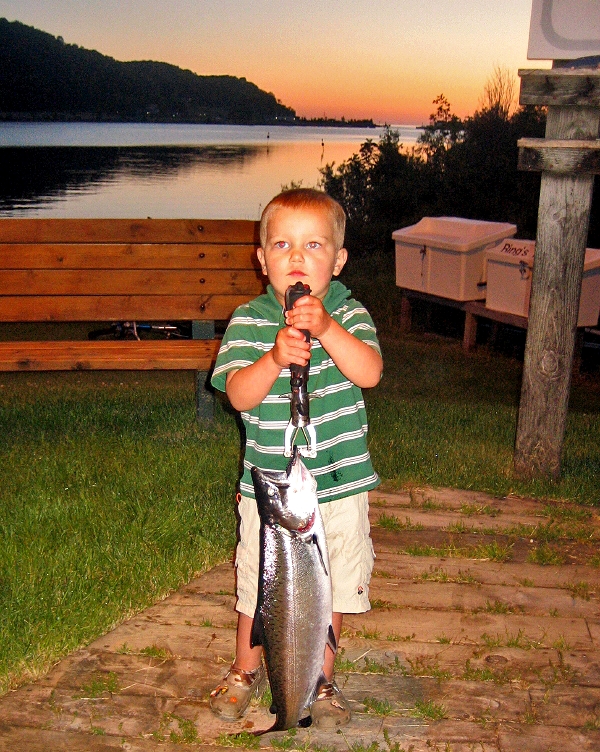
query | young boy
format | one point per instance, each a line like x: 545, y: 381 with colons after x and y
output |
x: 302, y: 234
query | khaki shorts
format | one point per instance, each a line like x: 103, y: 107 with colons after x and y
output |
x: 349, y: 545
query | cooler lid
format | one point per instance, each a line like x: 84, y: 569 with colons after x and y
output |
x: 454, y: 233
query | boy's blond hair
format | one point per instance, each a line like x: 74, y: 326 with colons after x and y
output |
x: 306, y: 198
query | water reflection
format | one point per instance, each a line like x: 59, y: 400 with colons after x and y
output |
x: 163, y: 170
x: 36, y: 176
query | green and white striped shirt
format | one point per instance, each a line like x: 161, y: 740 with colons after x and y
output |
x: 337, y: 409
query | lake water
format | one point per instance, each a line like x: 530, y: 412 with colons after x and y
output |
x: 163, y: 170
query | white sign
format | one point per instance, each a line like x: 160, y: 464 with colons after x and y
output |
x: 564, y: 29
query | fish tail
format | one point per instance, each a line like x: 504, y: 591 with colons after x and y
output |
x: 279, y: 725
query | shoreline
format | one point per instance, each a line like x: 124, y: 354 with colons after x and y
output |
x: 22, y: 118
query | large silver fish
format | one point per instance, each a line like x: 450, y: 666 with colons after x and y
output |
x: 293, y: 614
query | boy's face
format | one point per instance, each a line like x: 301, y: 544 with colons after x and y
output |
x: 300, y: 248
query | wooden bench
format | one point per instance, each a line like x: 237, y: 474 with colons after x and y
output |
x: 108, y: 270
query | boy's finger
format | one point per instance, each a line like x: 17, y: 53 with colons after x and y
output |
x: 305, y: 300
x: 300, y: 359
x: 295, y: 333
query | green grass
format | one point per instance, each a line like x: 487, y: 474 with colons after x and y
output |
x: 100, y: 684
x: 378, y: 707
x: 478, y: 509
x: 243, y: 739
x: 438, y: 574
x: 580, y: 590
x: 429, y: 710
x: 545, y: 556
x: 113, y: 496
x: 509, y: 640
x: 493, y: 551
x: 390, y: 522
x: 160, y: 654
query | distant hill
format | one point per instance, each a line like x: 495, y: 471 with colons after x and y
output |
x: 45, y: 79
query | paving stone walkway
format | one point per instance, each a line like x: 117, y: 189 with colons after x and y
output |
x: 484, y: 637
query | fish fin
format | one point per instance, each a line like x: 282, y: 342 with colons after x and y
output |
x: 331, y: 641
x: 316, y: 542
x: 257, y: 630
x: 279, y: 725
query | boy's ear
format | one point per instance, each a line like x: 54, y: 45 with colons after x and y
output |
x: 261, y: 260
x: 340, y: 259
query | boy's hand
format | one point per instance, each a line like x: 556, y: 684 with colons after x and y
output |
x: 309, y: 313
x: 290, y: 347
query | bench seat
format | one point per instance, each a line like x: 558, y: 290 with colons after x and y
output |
x: 145, y: 355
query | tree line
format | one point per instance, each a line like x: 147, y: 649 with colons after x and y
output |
x: 463, y: 168
x: 44, y: 78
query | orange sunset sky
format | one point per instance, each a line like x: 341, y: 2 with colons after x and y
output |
x: 385, y: 59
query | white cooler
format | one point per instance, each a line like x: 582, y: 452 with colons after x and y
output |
x: 509, y: 269
x: 445, y: 256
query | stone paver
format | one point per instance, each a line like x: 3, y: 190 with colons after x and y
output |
x: 459, y: 654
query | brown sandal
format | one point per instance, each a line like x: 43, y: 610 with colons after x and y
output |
x: 230, y: 699
x: 330, y: 709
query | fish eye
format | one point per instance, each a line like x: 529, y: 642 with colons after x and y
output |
x: 270, y: 491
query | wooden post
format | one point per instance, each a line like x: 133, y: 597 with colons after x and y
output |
x: 568, y: 158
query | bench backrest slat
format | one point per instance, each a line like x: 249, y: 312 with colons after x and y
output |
x: 137, y: 282
x: 119, y: 307
x: 128, y: 256
x: 128, y: 230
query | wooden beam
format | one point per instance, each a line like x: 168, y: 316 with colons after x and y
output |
x: 479, y: 309
x: 559, y: 155
x: 560, y: 86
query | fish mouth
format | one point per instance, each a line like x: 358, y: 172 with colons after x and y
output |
x: 287, y: 500
x: 296, y: 467
x: 300, y: 514
x: 310, y: 522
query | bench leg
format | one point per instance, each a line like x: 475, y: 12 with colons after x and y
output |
x: 470, y: 333
x: 405, y: 314
x: 578, y: 351
x: 205, y: 399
